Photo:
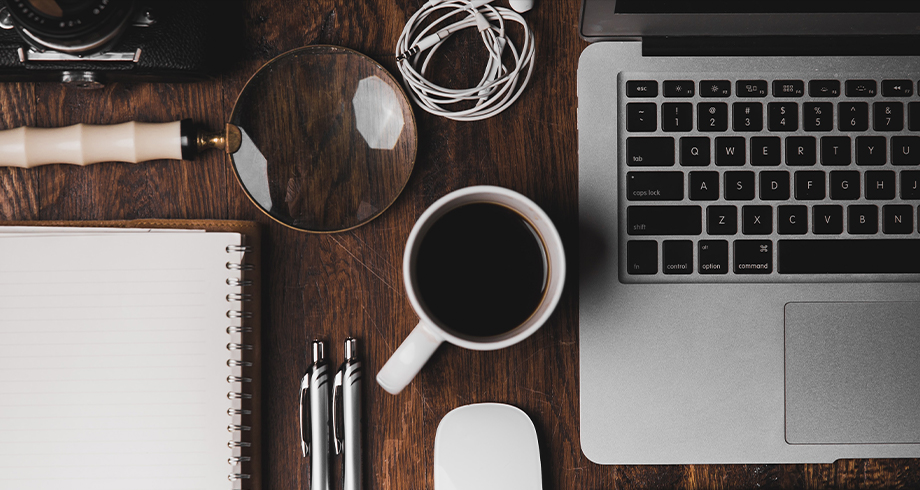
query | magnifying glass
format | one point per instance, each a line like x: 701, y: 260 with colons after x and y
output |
x: 322, y: 139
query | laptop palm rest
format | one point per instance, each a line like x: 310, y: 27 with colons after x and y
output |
x: 852, y: 373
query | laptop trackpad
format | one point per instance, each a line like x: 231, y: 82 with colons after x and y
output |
x: 852, y: 373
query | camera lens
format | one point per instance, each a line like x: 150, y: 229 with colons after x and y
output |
x: 71, y: 26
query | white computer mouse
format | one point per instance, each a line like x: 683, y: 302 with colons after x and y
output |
x: 521, y: 6
x: 487, y: 446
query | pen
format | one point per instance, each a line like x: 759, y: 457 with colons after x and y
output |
x: 315, y: 443
x: 347, y: 431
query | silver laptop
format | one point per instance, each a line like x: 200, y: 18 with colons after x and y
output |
x: 749, y: 246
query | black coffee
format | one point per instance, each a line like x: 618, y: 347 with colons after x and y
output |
x: 481, y: 270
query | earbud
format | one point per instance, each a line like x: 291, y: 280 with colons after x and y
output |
x: 521, y: 6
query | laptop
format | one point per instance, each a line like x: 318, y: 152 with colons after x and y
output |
x: 749, y: 245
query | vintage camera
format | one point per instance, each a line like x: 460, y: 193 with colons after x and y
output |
x: 87, y: 43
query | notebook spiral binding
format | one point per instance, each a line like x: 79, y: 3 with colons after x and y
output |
x: 236, y: 350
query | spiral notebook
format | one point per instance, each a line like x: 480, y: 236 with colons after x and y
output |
x: 129, y: 356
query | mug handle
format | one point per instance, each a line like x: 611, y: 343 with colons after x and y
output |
x: 408, y: 359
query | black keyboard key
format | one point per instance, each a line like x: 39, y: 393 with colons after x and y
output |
x: 642, y: 88
x: 783, y: 116
x: 824, y: 88
x: 678, y: 88
x: 809, y: 185
x: 751, y: 88
x: 868, y: 256
x: 694, y: 151
x: 860, y: 88
x: 765, y: 150
x: 913, y: 116
x: 739, y: 186
x: 862, y: 219
x: 774, y: 186
x: 889, y: 116
x: 715, y: 88
x: 844, y: 185
x: 712, y: 116
x: 713, y: 256
x: 721, y: 220
x: 897, y: 88
x: 677, y: 256
x: 747, y: 116
x: 905, y: 150
x: 655, y: 186
x: 910, y: 185
x: 818, y: 116
x: 897, y: 219
x: 641, y: 117
x: 854, y: 116
x: 788, y: 88
x: 827, y: 220
x: 730, y: 151
x: 650, y: 152
x: 642, y: 257
x: 792, y: 220
x: 664, y: 220
x: 835, y: 150
x: 757, y: 220
x: 870, y: 150
x: 880, y: 185
x: 704, y: 186
x: 753, y: 257
x: 676, y: 116
x: 801, y: 150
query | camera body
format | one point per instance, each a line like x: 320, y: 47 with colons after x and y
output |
x: 87, y: 43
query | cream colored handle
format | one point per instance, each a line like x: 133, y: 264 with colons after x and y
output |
x: 83, y: 144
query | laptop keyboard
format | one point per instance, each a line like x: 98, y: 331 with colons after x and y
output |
x: 773, y: 180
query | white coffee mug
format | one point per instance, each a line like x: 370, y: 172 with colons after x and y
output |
x: 421, y: 343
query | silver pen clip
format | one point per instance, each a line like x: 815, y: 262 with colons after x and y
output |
x: 304, y: 430
x: 338, y: 436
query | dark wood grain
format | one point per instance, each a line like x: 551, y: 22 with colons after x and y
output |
x: 350, y: 283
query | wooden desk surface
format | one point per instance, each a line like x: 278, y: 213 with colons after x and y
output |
x: 350, y: 284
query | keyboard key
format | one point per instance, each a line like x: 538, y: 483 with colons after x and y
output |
x: 870, y: 150
x: 860, y: 88
x: 889, y: 116
x: 676, y: 116
x: 704, y: 186
x: 818, y: 116
x: 757, y: 220
x: 828, y: 220
x: 910, y: 185
x: 867, y: 256
x: 694, y: 151
x: 809, y: 185
x: 747, y: 116
x: 739, y: 186
x: 792, y: 220
x: 641, y: 117
x: 765, y: 150
x: 844, y: 185
x: 824, y: 88
x: 800, y: 150
x: 650, y: 152
x: 753, y: 257
x: 712, y: 116
x: 642, y: 88
x: 905, y: 150
x: 862, y: 219
x: 642, y: 257
x: 835, y: 150
x: 897, y: 88
x: 678, y: 256
x: 854, y: 116
x: 721, y: 220
x: 655, y: 186
x: 897, y: 219
x: 783, y: 116
x: 730, y: 151
x: 713, y: 256
x: 664, y: 220
x: 751, y: 88
x: 913, y: 116
x: 880, y: 185
x: 679, y: 88
x: 774, y: 186
x: 788, y: 88
x: 715, y: 88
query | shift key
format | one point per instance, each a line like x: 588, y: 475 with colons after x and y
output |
x: 664, y: 220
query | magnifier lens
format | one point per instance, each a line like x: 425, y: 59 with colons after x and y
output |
x: 328, y: 139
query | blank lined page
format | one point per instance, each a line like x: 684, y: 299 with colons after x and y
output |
x: 113, y: 360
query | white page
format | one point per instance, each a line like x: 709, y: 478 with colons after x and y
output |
x: 113, y: 356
